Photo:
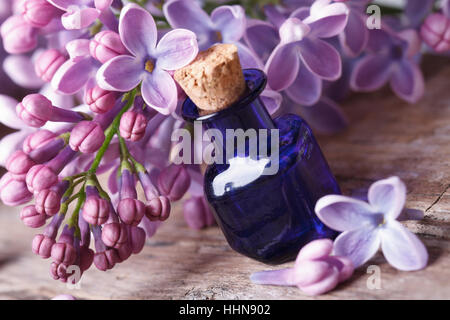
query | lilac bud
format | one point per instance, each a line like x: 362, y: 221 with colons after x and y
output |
x: 86, y: 258
x: 131, y: 211
x: 86, y: 137
x: 96, y: 210
x: 42, y: 245
x: 40, y: 177
x: 35, y: 110
x: 63, y: 251
x: 31, y: 218
x: 158, y: 208
x: 136, y: 237
x: 48, y: 63
x: 114, y: 234
x: 13, y: 192
x: 435, y: 32
x: 58, y: 271
x: 18, y: 164
x: 38, y: 13
x: 37, y: 139
x: 133, y: 125
x: 48, y: 201
x: 106, y: 45
x: 99, y: 100
x: 174, y: 181
x: 124, y: 252
x: 106, y: 260
x: 18, y: 36
x: 197, y: 213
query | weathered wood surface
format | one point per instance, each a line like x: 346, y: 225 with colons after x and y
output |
x: 387, y: 137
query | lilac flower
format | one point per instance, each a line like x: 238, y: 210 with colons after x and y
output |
x: 78, y: 71
x: 301, y: 41
x: 366, y: 226
x: 226, y: 24
x: 150, y: 62
x: 315, y: 271
x: 392, y: 57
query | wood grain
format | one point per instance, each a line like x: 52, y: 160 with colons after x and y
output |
x: 386, y: 137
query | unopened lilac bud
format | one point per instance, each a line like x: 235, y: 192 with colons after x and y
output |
x: 63, y: 251
x: 106, y: 45
x: 174, y: 181
x: 197, y: 213
x: 42, y: 245
x: 35, y: 110
x: 18, y: 36
x: 31, y: 218
x: 114, y: 234
x: 131, y: 211
x: 106, y: 260
x: 37, y: 139
x: 133, y: 125
x: 48, y: 201
x: 124, y: 252
x: 86, y: 137
x: 136, y: 239
x: 38, y: 13
x: 96, y: 210
x: 158, y: 208
x: 40, y: 177
x: 13, y: 192
x: 99, y: 100
x: 435, y: 32
x: 48, y: 63
x: 86, y: 258
x: 18, y: 164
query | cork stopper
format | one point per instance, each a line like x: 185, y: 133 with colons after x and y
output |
x: 214, y: 80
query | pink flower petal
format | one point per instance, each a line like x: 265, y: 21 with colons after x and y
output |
x: 358, y: 245
x: 388, y: 196
x: 321, y: 58
x: 402, y: 249
x: 282, y: 66
x: 159, y: 91
x: 371, y: 73
x: 73, y: 75
x: 230, y: 21
x: 122, y: 73
x: 407, y: 81
x: 355, y: 36
x: 343, y: 213
x: 137, y: 30
x: 176, y: 49
x: 326, y: 20
x: 306, y: 88
x: 20, y: 69
x: 261, y: 37
x: 76, y: 18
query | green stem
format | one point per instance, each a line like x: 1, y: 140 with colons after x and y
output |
x: 109, y: 134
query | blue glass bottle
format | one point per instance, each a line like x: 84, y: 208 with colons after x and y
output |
x: 266, y: 217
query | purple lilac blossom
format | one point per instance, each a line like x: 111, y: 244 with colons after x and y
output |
x: 366, y: 226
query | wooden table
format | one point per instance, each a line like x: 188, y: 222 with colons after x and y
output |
x: 386, y: 137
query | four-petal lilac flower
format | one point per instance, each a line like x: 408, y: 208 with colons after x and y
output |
x: 367, y: 226
x: 392, y: 57
x: 301, y: 41
x: 149, y: 62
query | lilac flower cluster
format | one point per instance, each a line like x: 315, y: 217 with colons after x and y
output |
x: 102, y: 99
